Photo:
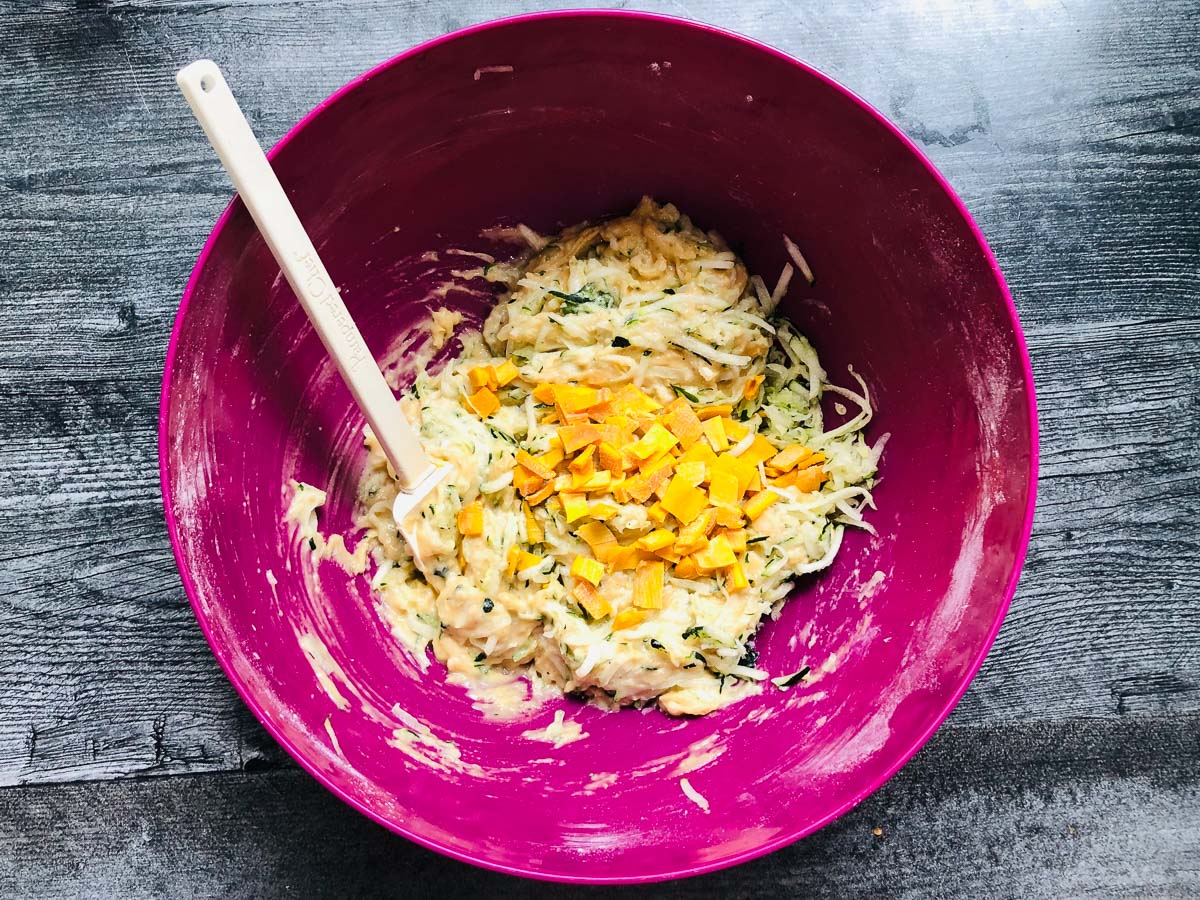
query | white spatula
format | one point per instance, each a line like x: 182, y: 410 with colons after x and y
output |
x: 230, y: 135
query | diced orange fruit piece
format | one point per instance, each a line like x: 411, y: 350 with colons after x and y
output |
x: 514, y: 554
x: 523, y: 560
x: 483, y: 377
x: 694, y: 535
x: 717, y: 555
x: 704, y: 413
x: 609, y: 458
x: 541, y: 494
x: 588, y: 569
x: 544, y: 393
x: 735, y: 429
x: 684, y: 424
x: 752, y: 386
x: 759, y: 503
x: 789, y: 457
x: 730, y: 517
x: 683, y: 501
x: 584, y: 463
x: 759, y: 451
x: 648, y: 585
x: 735, y: 577
x: 654, y: 441
x: 526, y: 482
x: 809, y: 479
x: 656, y: 512
x: 714, y: 430
x: 622, y: 558
x: 699, y: 452
x: 602, y: 510
x: 656, y: 540
x: 595, y: 534
x: 686, y: 568
x: 506, y: 373
x: 575, y: 506
x: 574, y: 398
x: 533, y: 528
x: 483, y: 402
x: 693, y: 473
x: 535, y: 465
x: 632, y: 401
x: 723, y: 489
x: 737, y: 539
x: 591, y: 600
x: 627, y: 618
x: 470, y: 519
x: 576, y: 436
x: 593, y: 481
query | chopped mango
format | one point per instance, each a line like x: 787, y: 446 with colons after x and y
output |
x: 573, y: 398
x: 699, y: 452
x: 759, y: 451
x: 541, y: 494
x: 514, y: 555
x: 684, y: 424
x: 655, y: 540
x: 470, y: 519
x: 714, y: 430
x: 684, y: 501
x: 584, y: 464
x: 588, y: 569
x: 730, y: 517
x: 704, y: 413
x: 575, y: 506
x: 595, y: 534
x: 656, y: 512
x: 717, y: 555
x: 552, y: 457
x: 609, y: 458
x: 592, y: 601
x: 752, y: 386
x: 723, y: 489
x: 593, y: 481
x: 627, y: 618
x: 483, y: 402
x: 742, y: 469
x: 533, y: 528
x: 686, y: 568
x: 735, y: 429
x: 654, y: 441
x: 789, y: 457
x: 527, y: 560
x: 574, y: 437
x: 809, y: 479
x: 694, y: 473
x: 602, y: 510
x: 544, y: 393
x: 759, y: 503
x: 506, y: 373
x: 535, y: 465
x: 694, y: 535
x: 622, y: 558
x: 631, y: 401
x: 735, y: 577
x: 526, y: 482
x: 483, y: 377
x: 648, y: 585
x: 737, y: 539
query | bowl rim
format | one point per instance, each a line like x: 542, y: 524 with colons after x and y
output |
x: 781, y: 840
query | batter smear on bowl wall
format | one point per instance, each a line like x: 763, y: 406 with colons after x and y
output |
x: 641, y: 467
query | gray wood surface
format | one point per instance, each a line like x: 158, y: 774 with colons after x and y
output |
x: 1072, y: 131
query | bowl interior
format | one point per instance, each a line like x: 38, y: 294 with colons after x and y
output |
x: 597, y: 110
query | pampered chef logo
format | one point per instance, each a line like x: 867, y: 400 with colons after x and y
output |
x: 319, y: 290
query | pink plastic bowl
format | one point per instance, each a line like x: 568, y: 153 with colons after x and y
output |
x: 599, y: 108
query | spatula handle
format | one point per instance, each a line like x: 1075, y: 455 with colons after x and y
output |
x: 230, y: 135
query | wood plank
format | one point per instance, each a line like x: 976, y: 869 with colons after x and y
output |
x: 1078, y: 157
x: 1035, y: 810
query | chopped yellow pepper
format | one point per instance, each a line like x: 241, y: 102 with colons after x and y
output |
x: 591, y: 600
x: 627, y: 618
x: 483, y: 402
x: 533, y: 528
x: 575, y: 506
x: 656, y: 540
x: 683, y: 501
x: 759, y: 503
x: 648, y: 585
x: 506, y: 373
x: 717, y: 555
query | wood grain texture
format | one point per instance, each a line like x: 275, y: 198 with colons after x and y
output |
x: 1040, y: 810
x: 1071, y: 130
